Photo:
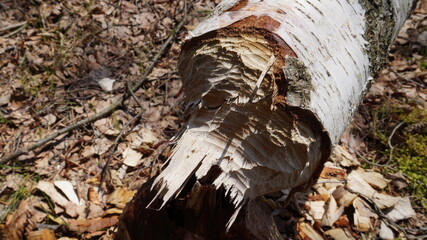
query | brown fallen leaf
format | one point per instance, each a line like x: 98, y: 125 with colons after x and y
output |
x: 112, y: 211
x: 120, y: 197
x: 18, y: 222
x: 94, y: 211
x: 57, y: 220
x: 91, y: 225
x: 44, y: 234
x: 93, y: 196
x: 49, y: 189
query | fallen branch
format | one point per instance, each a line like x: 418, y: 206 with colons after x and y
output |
x: 104, y: 113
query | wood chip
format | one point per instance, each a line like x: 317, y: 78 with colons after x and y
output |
x: 339, y: 234
x: 67, y: 188
x: 397, y: 180
x: 364, y: 216
x: 341, y: 156
x: 374, y: 179
x: 131, y: 157
x: 402, y: 210
x: 307, y: 232
x: 385, y: 232
x: 330, y: 172
x: 106, y: 84
x: 322, y: 191
x: 332, y: 213
x: 357, y: 184
x: 316, y: 209
x: 343, y: 196
x: 343, y: 222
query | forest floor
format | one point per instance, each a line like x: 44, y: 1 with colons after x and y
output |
x: 64, y: 61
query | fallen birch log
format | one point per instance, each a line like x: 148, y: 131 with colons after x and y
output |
x: 271, y: 85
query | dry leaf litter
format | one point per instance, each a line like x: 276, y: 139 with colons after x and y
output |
x: 64, y: 61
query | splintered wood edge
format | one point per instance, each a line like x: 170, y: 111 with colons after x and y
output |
x: 264, y: 29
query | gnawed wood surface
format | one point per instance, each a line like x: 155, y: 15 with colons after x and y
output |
x: 271, y: 86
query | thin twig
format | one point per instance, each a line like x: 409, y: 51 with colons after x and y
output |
x: 104, y: 113
x: 330, y: 181
x: 16, y: 31
x: 116, y: 142
x: 389, y: 142
x: 135, y: 98
x: 407, y: 79
x: 12, y: 26
x: 113, y: 149
x: 383, y: 216
x: 391, y: 151
x: 372, y: 163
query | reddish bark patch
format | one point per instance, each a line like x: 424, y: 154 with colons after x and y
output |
x: 238, y: 5
x: 264, y: 22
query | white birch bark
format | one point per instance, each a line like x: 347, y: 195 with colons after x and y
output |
x: 271, y: 85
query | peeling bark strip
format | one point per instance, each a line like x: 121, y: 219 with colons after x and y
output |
x: 271, y: 86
